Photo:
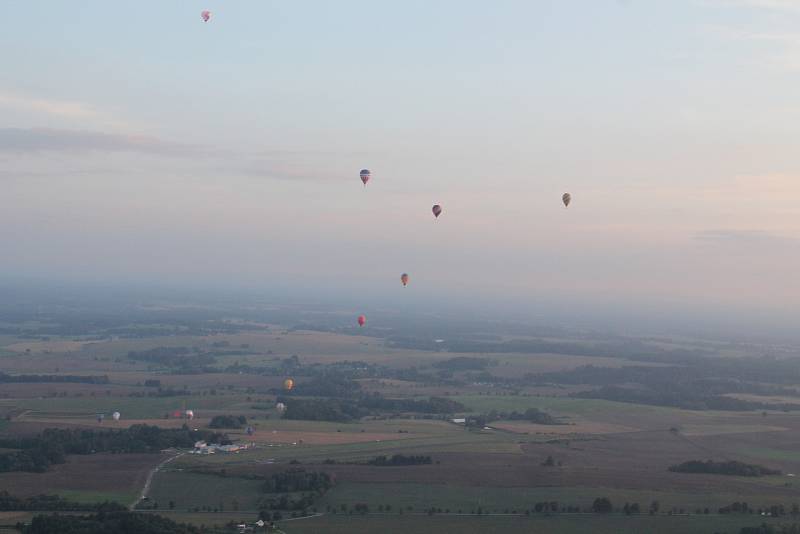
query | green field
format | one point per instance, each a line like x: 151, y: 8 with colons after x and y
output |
x: 190, y: 490
x: 498, y: 499
x: 122, y: 497
x: 581, y: 524
x: 130, y: 407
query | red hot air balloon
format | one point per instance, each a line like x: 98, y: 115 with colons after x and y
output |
x: 205, y: 15
x: 362, y: 320
x: 404, y: 279
x: 437, y: 210
x: 365, y: 176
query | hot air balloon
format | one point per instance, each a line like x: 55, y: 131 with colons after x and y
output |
x: 250, y: 430
x: 100, y: 417
x: 189, y: 414
x: 437, y: 210
x: 205, y: 15
x: 116, y: 416
x: 288, y: 384
x: 404, y: 279
x: 566, y: 198
x: 281, y: 407
x: 365, y: 176
x: 362, y: 320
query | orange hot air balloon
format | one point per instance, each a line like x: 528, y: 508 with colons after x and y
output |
x: 365, y: 175
x: 566, y: 198
x: 437, y: 210
x: 404, y: 279
x: 362, y: 320
x: 288, y: 384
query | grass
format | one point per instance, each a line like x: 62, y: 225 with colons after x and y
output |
x: 581, y: 524
x: 770, y: 454
x: 190, y: 490
x: 122, y: 497
x: 498, y: 499
x: 130, y: 407
x: 461, y: 442
x: 589, y: 408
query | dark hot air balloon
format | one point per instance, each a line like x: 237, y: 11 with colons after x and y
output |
x: 437, y: 210
x: 566, y: 198
x: 365, y: 176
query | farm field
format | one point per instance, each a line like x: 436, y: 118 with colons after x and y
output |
x: 598, y: 448
x: 501, y: 525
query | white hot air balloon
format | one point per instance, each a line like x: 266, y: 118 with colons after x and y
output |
x: 116, y: 416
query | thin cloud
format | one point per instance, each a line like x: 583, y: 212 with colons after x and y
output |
x: 791, y: 6
x: 59, y: 108
x: 758, y: 238
x: 21, y: 140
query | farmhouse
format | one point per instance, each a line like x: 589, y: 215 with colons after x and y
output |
x: 201, y: 447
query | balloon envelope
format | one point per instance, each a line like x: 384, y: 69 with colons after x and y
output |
x: 566, y: 198
x: 365, y: 175
x: 288, y: 383
x: 189, y: 414
x: 404, y: 279
x: 116, y: 416
x: 437, y: 210
x: 281, y: 407
x: 205, y: 15
x: 362, y: 320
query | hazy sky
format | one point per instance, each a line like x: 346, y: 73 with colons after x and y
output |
x: 139, y: 144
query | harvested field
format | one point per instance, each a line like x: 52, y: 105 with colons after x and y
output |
x: 100, y: 475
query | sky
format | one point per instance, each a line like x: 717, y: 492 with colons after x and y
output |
x: 141, y: 145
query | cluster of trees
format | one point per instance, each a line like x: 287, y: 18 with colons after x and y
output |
x: 335, y: 410
x: 53, y: 503
x: 432, y: 405
x: 120, y: 522
x: 533, y: 415
x: 343, y: 410
x: 401, y: 459
x: 296, y: 480
x: 294, y: 490
x: 183, y: 359
x: 775, y: 510
x: 228, y: 421
x: 57, y: 379
x: 730, y: 467
x: 39, y: 452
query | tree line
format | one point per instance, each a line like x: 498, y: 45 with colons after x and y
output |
x: 731, y: 468
x: 119, y: 522
x: 38, y: 453
x: 53, y: 503
x: 53, y: 379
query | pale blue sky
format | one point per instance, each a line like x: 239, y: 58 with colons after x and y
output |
x: 138, y: 143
